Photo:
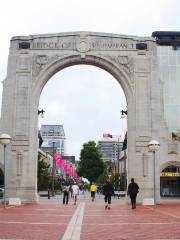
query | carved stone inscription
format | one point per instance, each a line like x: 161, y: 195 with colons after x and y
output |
x: 94, y: 43
x: 52, y: 45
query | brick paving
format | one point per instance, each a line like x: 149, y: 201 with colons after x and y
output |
x: 45, y: 220
x: 49, y: 219
x: 121, y: 222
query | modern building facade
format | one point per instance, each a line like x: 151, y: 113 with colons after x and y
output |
x: 168, y: 52
x: 53, y: 137
x: 110, y: 148
x: 169, y: 65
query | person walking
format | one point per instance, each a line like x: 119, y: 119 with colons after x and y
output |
x: 93, y: 189
x: 108, y: 191
x: 66, y: 190
x: 133, y: 190
x: 75, y: 192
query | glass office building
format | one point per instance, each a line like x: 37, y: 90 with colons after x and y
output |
x: 53, y: 137
x: 168, y: 50
x: 169, y: 63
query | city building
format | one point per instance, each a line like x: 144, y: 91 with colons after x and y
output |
x: 169, y: 67
x: 53, y: 137
x: 168, y: 52
x: 111, y: 147
x: 70, y: 159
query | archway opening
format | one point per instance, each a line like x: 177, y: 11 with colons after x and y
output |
x: 170, y: 181
x: 83, y: 103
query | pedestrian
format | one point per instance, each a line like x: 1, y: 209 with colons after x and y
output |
x: 108, y: 191
x: 93, y: 189
x: 66, y: 189
x: 75, y: 192
x: 133, y: 190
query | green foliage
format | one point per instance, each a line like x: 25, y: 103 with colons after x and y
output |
x: 91, y: 165
x: 104, y: 176
x: 43, y: 175
x: 118, y: 182
x: 56, y: 183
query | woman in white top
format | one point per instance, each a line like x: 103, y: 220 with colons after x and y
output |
x: 75, y: 192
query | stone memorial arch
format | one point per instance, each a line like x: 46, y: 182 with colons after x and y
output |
x: 34, y: 59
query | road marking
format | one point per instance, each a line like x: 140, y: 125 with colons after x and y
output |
x: 73, y: 230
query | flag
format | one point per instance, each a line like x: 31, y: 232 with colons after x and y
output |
x: 40, y: 139
x: 125, y: 142
x: 107, y: 135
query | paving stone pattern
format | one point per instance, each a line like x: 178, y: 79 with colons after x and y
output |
x: 49, y: 219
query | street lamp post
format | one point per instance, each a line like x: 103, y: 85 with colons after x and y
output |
x: 4, y: 140
x: 153, y: 147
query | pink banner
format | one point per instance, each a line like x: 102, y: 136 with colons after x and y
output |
x: 60, y: 163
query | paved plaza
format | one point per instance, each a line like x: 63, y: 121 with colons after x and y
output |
x: 50, y: 219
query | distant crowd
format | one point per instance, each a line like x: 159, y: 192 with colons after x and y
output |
x: 72, y: 188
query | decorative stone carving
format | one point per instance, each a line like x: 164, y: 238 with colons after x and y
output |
x: 172, y: 148
x: 125, y: 63
x: 123, y: 60
x: 176, y: 135
x: 82, y: 45
x: 40, y: 61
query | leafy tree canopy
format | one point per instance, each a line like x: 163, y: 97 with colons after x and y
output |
x: 43, y: 174
x: 91, y: 165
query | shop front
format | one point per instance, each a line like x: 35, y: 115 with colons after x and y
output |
x: 170, y: 182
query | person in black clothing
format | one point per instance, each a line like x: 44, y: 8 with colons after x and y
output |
x: 133, y: 190
x: 108, y: 191
x: 66, y: 190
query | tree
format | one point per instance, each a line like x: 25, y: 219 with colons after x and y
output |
x: 43, y: 174
x: 118, y: 181
x: 91, y: 165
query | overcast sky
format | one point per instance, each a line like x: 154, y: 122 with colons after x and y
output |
x: 85, y: 99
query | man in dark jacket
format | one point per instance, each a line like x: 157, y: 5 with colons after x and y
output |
x: 133, y: 190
